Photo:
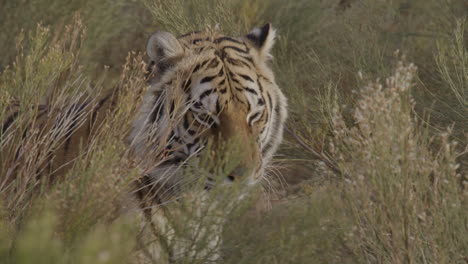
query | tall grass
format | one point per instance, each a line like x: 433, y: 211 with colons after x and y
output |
x: 407, y: 201
x: 382, y: 176
x: 79, y: 206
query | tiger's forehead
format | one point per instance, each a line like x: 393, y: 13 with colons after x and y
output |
x: 236, y: 53
x: 200, y: 40
x: 207, y: 51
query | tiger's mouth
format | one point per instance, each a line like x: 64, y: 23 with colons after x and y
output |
x: 169, y: 181
x: 237, y: 173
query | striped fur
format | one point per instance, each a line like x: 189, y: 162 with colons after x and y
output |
x: 216, y: 88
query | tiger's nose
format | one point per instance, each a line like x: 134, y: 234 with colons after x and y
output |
x: 238, y: 172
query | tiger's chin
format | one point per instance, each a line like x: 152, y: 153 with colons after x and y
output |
x: 168, y: 183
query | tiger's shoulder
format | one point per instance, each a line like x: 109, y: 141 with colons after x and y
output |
x: 57, y: 132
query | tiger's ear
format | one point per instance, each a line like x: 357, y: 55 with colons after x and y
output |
x: 164, y: 50
x: 263, y: 39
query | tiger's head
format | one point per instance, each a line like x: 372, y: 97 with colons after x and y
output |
x: 207, y: 87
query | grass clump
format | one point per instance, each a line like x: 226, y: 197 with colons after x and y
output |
x: 106, y: 244
x: 48, y: 97
x: 47, y: 74
x: 406, y: 199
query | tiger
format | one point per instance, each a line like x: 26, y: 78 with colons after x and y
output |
x: 221, y: 89
x: 224, y: 89
x: 204, y: 89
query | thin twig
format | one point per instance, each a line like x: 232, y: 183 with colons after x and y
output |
x: 320, y: 156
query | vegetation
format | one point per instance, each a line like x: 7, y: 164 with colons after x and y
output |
x: 372, y: 170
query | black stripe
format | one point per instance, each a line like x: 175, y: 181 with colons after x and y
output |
x: 213, y: 64
x: 171, y: 135
x: 246, y: 77
x: 206, y: 118
x: 250, y: 90
x: 172, y: 107
x: 269, y: 100
x: 185, y: 124
x: 218, y: 40
x: 189, y: 146
x: 208, y: 79
x: 260, y: 86
x: 157, y: 113
x: 218, y: 108
x: 188, y: 34
x: 197, y: 105
x: 248, y: 58
x: 235, y: 80
x: 187, y: 84
x: 221, y: 72
x: 204, y: 63
x: 260, y: 101
x: 239, y: 63
x: 265, y: 78
x: 206, y: 93
x: 266, y: 148
x: 252, y: 117
x: 199, y: 50
x: 236, y: 49
x: 197, y: 67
